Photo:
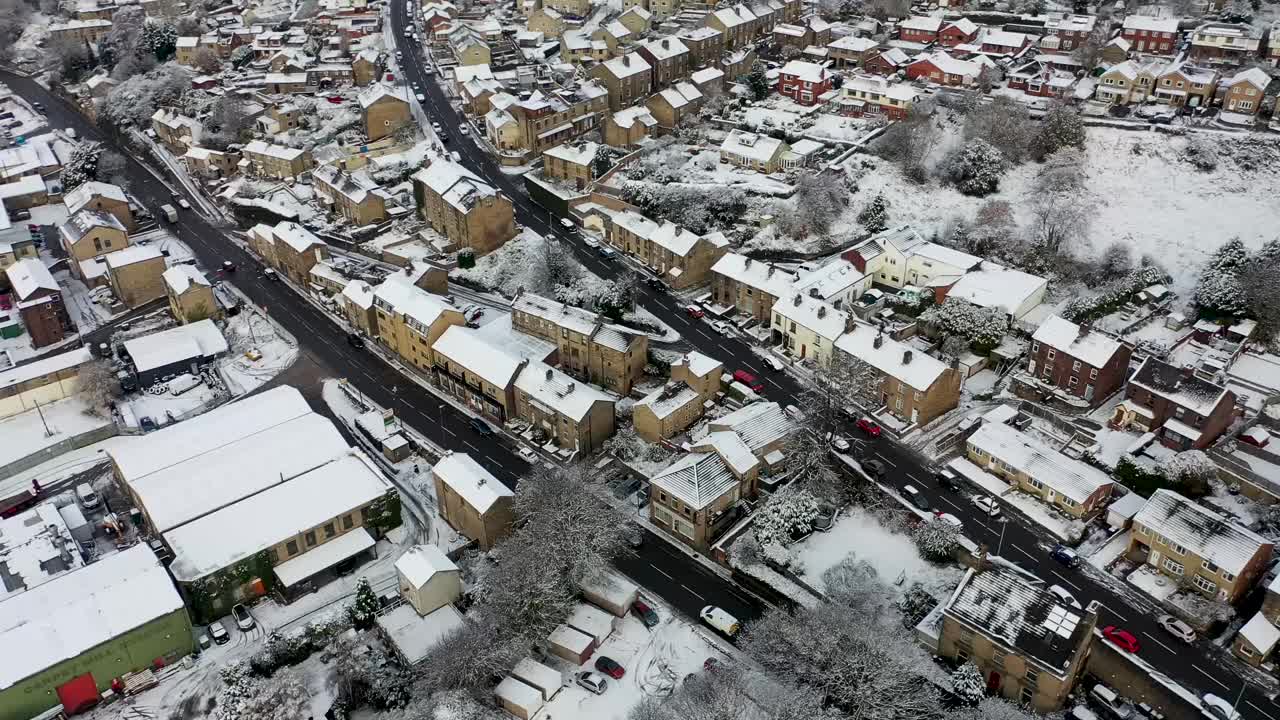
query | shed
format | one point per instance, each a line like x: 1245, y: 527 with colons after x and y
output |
x: 570, y: 644
x: 1120, y: 513
x: 545, y: 680
x: 591, y: 620
x: 428, y: 578
x: 613, y: 593
x: 517, y: 698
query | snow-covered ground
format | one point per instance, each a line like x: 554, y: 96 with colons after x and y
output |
x: 34, y: 430
x: 1153, y: 582
x: 693, y: 166
x: 860, y: 535
x: 250, y: 330
x: 160, y: 406
x: 1046, y: 517
x: 1110, y: 551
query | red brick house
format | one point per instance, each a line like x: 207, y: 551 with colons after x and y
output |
x: 39, y: 302
x: 920, y: 29
x: 1073, y: 32
x: 1001, y: 42
x: 1078, y: 361
x: 958, y: 32
x: 887, y: 62
x: 803, y: 81
x: 1042, y: 80
x: 942, y: 69
x: 1157, y: 36
x: 1184, y: 410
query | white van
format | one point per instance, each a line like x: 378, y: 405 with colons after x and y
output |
x: 183, y: 383
x: 1110, y: 701
x: 720, y: 620
x: 87, y: 496
x: 1080, y: 712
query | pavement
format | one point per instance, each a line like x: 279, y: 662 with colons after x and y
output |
x: 679, y: 579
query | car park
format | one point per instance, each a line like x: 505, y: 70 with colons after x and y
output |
x: 1065, y: 555
x: 1121, y: 638
x: 1064, y: 597
x: 694, y: 312
x: 987, y: 505
x: 219, y: 633
x: 868, y: 426
x: 591, y: 681
x: 610, y: 667
x: 646, y: 614
x: 1177, y: 628
x: 244, y: 620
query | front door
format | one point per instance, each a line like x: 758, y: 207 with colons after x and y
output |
x: 1088, y: 391
x: 1155, y: 558
x: 993, y: 683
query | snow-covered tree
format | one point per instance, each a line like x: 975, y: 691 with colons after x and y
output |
x: 975, y: 168
x: 1061, y: 127
x: 1229, y: 257
x: 158, y: 37
x: 785, y: 516
x: 283, y: 696
x: 1062, y: 171
x: 916, y: 604
x: 121, y: 41
x: 1116, y: 260
x: 1191, y: 471
x: 363, y: 610
x: 1202, y: 153
x: 1004, y: 124
x: 874, y: 216
x: 758, y: 81
x: 994, y: 708
x: 241, y: 56
x: 967, y: 683
x: 82, y: 166
x: 730, y: 691
x: 134, y: 101
x: 98, y: 388
x: 818, y: 202
x: 1089, y: 54
x: 1059, y: 221
x: 993, y: 231
x: 1221, y: 294
x: 982, y: 327
x: 908, y: 143
x: 936, y: 540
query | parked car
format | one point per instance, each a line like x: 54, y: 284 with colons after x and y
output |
x: 1218, y: 707
x: 645, y: 613
x: 610, y: 667
x: 568, y: 225
x: 182, y: 203
x: 590, y: 241
x: 481, y: 427
x: 355, y: 341
x: 146, y: 423
x: 839, y: 443
x: 1065, y: 597
x: 868, y: 426
x: 915, y: 497
x: 746, y: 378
x: 722, y: 621
x: 219, y: 633
x: 464, y: 130
x: 947, y: 480
x: 228, y: 266
x: 244, y: 620
x: 772, y: 363
x: 874, y: 468
x: 949, y: 519
x: 722, y: 327
x: 794, y: 413
x: 270, y: 274
x: 654, y: 283
x: 1177, y: 628
x: 1065, y: 555
x: 1121, y: 638
x: 694, y: 312
x: 420, y: 97
x: 591, y: 681
x: 1110, y: 701
x: 987, y: 505
x: 606, y: 253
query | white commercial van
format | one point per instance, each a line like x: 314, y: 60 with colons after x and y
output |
x: 720, y: 620
x: 87, y: 496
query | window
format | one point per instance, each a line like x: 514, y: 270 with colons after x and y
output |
x: 1228, y: 576
x: 1177, y: 549
x: 1048, y: 369
x: 1032, y: 677
x: 273, y: 556
x: 292, y: 547
x: 1172, y: 566
x: 1026, y: 695
x: 1075, y: 366
x: 311, y: 538
x: 1210, y: 566
x: 347, y: 522
x: 1073, y: 381
x: 1051, y: 354
x: 1033, y: 482
x: 979, y: 452
x: 1205, y: 584
x: 1093, y: 374
x: 1035, y: 348
x: 329, y: 530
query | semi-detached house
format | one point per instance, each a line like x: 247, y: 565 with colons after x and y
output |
x: 1079, y: 362
x: 628, y: 79
x: 914, y: 387
x: 920, y: 29
x: 1184, y: 410
x: 678, y: 256
x: 804, y: 82
x: 1150, y: 35
x: 1066, y: 484
x: 471, y: 499
x: 754, y: 151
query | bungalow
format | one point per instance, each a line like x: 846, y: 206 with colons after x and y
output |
x: 942, y: 69
x: 753, y: 151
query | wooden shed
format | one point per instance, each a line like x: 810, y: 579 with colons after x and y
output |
x: 591, y: 620
x: 570, y: 644
x: 517, y: 698
x: 545, y: 680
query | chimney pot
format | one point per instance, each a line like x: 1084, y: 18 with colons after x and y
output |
x: 746, y: 263
x: 548, y: 373
x: 822, y: 311
x: 626, y: 59
x: 877, y: 342
x: 797, y: 300
x: 906, y: 357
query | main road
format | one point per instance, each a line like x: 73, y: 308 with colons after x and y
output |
x: 1198, y: 666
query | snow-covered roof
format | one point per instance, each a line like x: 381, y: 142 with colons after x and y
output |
x: 627, y: 117
x: 200, y: 339
x: 1006, y: 289
x: 410, y: 300
x: 415, y: 635
x: 29, y: 276
x: 180, y: 278
x: 296, y: 236
x: 1261, y: 633
x: 908, y: 365
x: 1151, y: 24
x: 664, y: 48
x: 470, y: 480
x: 132, y: 255
x: 591, y: 620
x: 81, y: 223
x: 1004, y: 38
x: 946, y: 255
x: 700, y: 365
x: 1127, y: 505
x: 1200, y: 530
x: 1180, y: 388
x: 80, y: 610
x: 804, y: 71
x: 576, y: 153
x: 875, y: 84
x: 86, y: 192
x: 1255, y: 76
x: 680, y: 94
x: 464, y: 346
x: 705, y: 75
x: 758, y: 424
x: 818, y: 316
x: 422, y: 562
x: 517, y: 694
x: 295, y: 570
x: 547, y: 680
x: 38, y: 546
x: 627, y: 65
x: 697, y: 479
x: 283, y: 511
x: 753, y: 146
x: 378, y: 92
x: 734, y: 16
x: 735, y: 451
x: 556, y: 390
x: 45, y: 366
x: 467, y: 73
x: 757, y: 274
x: 922, y: 23
x: 667, y: 399
x: 950, y: 65
x: 853, y: 43
x: 964, y: 25
x: 454, y: 183
x: 1091, y: 348
x: 1016, y: 614
x: 281, y: 152
x: 674, y: 239
x: 359, y: 293
x: 1069, y: 477
x: 557, y: 313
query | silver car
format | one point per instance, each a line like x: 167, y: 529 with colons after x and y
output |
x: 1177, y: 628
x: 591, y: 681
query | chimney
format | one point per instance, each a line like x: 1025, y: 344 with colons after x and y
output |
x: 1188, y: 370
x: 906, y: 357
x: 666, y: 43
x: 480, y: 481
x: 813, y: 292
x: 569, y: 389
x: 626, y: 59
x: 877, y: 342
x: 746, y: 263
x: 548, y: 373
x: 796, y: 302
x: 822, y: 311
x: 770, y: 273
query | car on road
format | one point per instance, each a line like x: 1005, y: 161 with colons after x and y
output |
x: 868, y: 426
x: 435, y: 125
x: 746, y: 378
x: 722, y: 621
x: 1177, y: 628
x: 654, y: 283
x: 839, y: 443
x: 228, y: 266
x: 182, y: 203
x: 1218, y: 707
x: 722, y: 327
x: 567, y: 225
x: 645, y: 613
x: 38, y: 106
x: 420, y: 97
x: 464, y: 130
x: 794, y: 413
x: 693, y: 311
x: 874, y: 468
x: 949, y: 519
x: 947, y: 480
x: 590, y: 241
x: 987, y: 505
x: 355, y: 341
x: 1065, y: 555
x: 1121, y: 638
x: 606, y: 253
x: 244, y: 620
x: 481, y: 427
x: 772, y: 363
x: 610, y: 667
x: 591, y: 681
x: 915, y: 497
x: 219, y: 633
x: 1064, y: 597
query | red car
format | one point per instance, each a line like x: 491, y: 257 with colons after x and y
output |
x: 335, y: 99
x: 1121, y: 638
x: 749, y: 380
x: 868, y: 426
x: 609, y: 667
x: 694, y: 312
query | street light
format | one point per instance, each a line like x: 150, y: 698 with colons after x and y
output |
x: 1003, y: 523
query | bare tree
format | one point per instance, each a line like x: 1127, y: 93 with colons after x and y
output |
x: 111, y: 168
x: 1062, y: 171
x: 1005, y: 124
x: 732, y: 692
x: 1058, y: 221
x: 98, y: 387
x: 845, y: 382
x: 908, y: 142
x: 1090, y: 53
x: 206, y: 60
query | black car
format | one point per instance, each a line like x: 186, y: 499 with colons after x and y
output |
x: 874, y: 468
x: 947, y: 480
x: 228, y: 266
x: 481, y: 427
x: 355, y: 341
x: 655, y: 284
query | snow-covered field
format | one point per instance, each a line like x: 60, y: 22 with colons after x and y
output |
x: 1143, y: 194
x: 691, y: 166
x: 860, y: 535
